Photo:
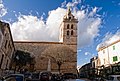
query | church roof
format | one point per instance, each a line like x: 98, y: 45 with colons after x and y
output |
x: 40, y: 42
x: 103, y: 47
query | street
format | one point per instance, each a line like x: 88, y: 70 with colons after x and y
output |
x: 72, y: 80
x: 77, y: 80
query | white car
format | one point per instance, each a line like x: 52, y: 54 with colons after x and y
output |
x: 113, y: 78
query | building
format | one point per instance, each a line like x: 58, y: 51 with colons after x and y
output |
x: 85, y: 71
x: 107, y: 62
x: 110, y: 54
x: 6, y: 46
x: 48, y: 55
x: 109, y: 58
x: 95, y: 62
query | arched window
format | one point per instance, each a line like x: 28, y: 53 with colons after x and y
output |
x: 72, y: 26
x: 68, y: 32
x: 72, y: 32
x: 68, y: 26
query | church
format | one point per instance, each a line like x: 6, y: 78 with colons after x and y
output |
x: 55, y: 56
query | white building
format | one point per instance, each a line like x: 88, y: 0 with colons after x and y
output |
x: 110, y: 54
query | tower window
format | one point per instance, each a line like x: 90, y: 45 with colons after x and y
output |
x: 72, y: 26
x: 68, y: 32
x: 68, y: 26
x: 72, y: 32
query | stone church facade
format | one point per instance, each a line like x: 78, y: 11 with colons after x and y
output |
x: 48, y: 53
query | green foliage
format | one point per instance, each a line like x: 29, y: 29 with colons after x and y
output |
x: 22, y: 58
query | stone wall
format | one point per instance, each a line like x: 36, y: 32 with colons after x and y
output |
x: 40, y: 50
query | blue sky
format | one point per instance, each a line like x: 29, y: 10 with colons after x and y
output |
x: 99, y: 21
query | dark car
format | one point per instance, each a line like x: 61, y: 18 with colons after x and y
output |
x: 13, y: 77
x: 35, y: 76
x: 69, y: 76
x: 45, y: 76
x: 56, y: 77
x: 28, y: 76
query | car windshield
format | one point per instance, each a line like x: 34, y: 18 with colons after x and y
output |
x: 0, y: 78
x: 118, y: 78
x: 35, y: 75
x: 19, y: 78
x: 14, y: 78
x: 68, y: 74
x: 110, y: 78
x: 27, y: 74
x: 44, y: 74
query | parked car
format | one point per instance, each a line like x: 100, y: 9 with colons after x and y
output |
x: 69, y: 76
x: 113, y: 78
x: 56, y: 77
x: 13, y: 77
x: 28, y: 76
x: 45, y: 76
x: 99, y: 79
x: 35, y: 76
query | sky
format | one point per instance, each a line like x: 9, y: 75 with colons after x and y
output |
x: 39, y: 20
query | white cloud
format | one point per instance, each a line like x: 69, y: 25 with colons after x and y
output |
x: 87, y: 53
x: 73, y: 3
x: 29, y: 27
x: 119, y: 4
x: 94, y: 11
x: 79, y: 50
x: 88, y: 27
x: 63, y: 4
x: 109, y: 38
x: 3, y: 10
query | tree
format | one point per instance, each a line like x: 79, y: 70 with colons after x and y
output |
x: 21, y: 59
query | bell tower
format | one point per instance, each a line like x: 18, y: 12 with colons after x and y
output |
x: 68, y: 36
x: 68, y: 29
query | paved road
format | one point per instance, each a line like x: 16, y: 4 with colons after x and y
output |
x: 67, y: 80
x: 78, y: 80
